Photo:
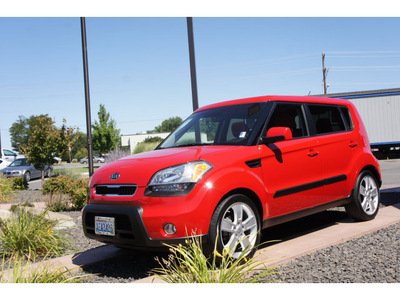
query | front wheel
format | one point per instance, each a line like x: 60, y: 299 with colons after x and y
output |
x: 235, y: 227
x: 365, y: 198
x: 27, y: 176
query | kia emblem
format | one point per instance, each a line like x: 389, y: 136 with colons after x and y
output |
x: 114, y: 176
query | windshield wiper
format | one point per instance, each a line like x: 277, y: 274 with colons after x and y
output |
x: 188, y: 145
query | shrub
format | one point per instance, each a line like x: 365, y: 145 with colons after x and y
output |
x: 57, y: 202
x: 29, y: 235
x: 6, y: 189
x: 154, y: 139
x: 60, y: 184
x: 20, y: 184
x: 145, y: 147
x: 116, y: 154
x: 188, y: 264
x: 76, y: 189
x: 14, y: 207
x: 79, y: 192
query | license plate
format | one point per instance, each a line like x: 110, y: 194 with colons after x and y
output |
x: 104, y: 225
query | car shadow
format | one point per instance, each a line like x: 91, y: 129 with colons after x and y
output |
x: 128, y: 264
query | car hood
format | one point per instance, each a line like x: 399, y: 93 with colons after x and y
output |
x: 17, y: 168
x: 139, y: 168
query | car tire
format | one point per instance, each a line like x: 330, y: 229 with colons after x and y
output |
x: 235, y: 227
x: 48, y: 173
x: 365, y: 198
x: 27, y: 176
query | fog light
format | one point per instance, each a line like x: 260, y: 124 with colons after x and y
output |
x: 170, y: 229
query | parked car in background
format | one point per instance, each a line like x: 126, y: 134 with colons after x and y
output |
x: 4, y: 163
x: 9, y: 155
x: 96, y: 159
x: 21, y: 168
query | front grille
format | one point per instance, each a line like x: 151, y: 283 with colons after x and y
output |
x: 115, y: 190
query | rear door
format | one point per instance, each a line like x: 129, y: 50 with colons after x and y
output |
x: 338, y: 145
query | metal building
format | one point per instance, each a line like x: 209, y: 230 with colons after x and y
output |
x: 380, y: 112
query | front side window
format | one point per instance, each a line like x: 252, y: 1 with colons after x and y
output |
x: 19, y: 163
x: 291, y: 116
x: 8, y: 153
x: 227, y: 125
x: 327, y: 119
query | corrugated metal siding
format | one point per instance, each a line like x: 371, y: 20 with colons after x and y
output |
x: 381, y: 117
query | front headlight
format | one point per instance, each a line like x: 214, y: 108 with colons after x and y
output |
x: 177, y: 180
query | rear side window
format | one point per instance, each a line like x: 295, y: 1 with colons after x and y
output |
x: 327, y: 119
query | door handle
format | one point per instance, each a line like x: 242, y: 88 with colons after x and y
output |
x: 353, y: 144
x: 312, y: 153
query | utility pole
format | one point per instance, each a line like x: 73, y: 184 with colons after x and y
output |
x: 324, y: 72
x: 87, y: 97
x: 195, y: 100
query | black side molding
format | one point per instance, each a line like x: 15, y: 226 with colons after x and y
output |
x: 309, y: 186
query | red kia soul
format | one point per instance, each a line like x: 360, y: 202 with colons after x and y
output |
x: 234, y: 168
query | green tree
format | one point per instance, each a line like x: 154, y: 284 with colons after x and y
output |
x: 22, y: 129
x: 105, y: 134
x: 169, y: 125
x: 78, y: 142
x: 46, y: 142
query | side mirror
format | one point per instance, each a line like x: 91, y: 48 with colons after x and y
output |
x: 277, y: 134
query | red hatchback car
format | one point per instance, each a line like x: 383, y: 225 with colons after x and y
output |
x: 234, y: 168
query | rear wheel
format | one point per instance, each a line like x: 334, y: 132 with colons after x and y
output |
x: 236, y: 227
x: 365, y: 198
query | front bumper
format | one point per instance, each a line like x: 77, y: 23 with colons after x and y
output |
x: 130, y: 231
x: 11, y: 174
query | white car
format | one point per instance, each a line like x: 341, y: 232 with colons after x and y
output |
x: 4, y: 163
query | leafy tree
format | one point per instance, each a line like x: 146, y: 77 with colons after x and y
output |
x: 169, y: 125
x: 46, y: 142
x: 105, y: 134
x: 22, y: 129
x: 78, y: 142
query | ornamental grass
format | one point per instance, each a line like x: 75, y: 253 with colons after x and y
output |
x: 28, y: 235
x: 188, y: 264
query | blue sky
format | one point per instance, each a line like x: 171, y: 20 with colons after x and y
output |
x: 139, y: 66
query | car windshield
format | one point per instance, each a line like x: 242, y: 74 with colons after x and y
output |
x: 19, y: 163
x: 228, y: 125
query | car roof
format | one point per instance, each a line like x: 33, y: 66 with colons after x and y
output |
x: 308, y: 99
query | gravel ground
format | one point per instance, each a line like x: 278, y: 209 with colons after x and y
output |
x: 372, y: 258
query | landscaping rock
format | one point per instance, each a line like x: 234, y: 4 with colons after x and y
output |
x: 5, y: 214
x: 63, y: 221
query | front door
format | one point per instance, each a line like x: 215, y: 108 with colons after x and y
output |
x: 291, y: 168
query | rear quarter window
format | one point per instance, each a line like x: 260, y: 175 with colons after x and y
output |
x: 328, y: 119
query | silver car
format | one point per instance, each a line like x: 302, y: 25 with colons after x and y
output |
x: 21, y: 168
x: 97, y: 159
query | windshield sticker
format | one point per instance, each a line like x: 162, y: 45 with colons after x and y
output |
x: 242, y: 134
